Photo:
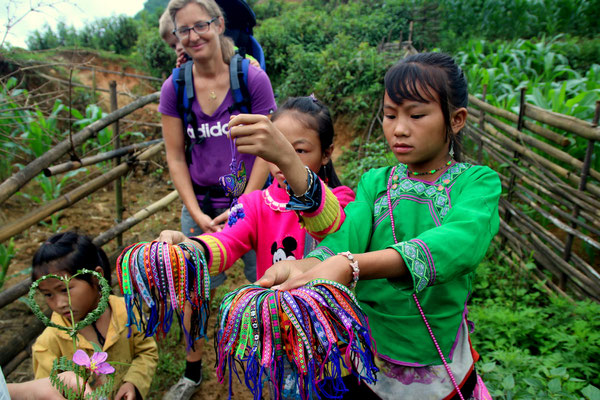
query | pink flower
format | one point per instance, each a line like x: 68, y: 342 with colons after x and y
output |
x: 96, y: 364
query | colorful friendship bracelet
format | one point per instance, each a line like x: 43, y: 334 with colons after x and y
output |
x: 156, y: 279
x: 318, y: 329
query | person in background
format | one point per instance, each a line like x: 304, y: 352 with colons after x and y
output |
x: 64, y: 254
x: 195, y: 170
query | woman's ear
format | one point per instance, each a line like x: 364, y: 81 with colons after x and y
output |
x: 458, y: 119
x: 326, y: 156
x: 221, y: 25
x: 99, y: 270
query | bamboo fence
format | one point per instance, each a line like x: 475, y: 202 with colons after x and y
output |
x: 550, y: 208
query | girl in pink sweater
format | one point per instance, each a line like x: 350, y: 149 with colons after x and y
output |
x: 303, y: 204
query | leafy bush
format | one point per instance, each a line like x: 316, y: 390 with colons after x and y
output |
x: 155, y: 54
x: 354, y: 163
x: 117, y: 34
x: 533, y: 346
x: 512, y: 19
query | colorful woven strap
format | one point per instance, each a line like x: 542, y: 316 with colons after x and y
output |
x: 159, y: 275
x: 259, y: 327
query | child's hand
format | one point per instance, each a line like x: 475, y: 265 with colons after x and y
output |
x: 257, y: 135
x: 126, y: 391
x: 286, y: 270
x: 172, y: 237
x: 181, y: 59
x: 335, y: 268
x: 219, y: 221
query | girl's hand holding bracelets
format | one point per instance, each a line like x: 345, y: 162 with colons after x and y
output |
x: 160, y: 275
x: 318, y: 327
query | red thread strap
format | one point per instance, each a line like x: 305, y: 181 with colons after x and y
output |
x: 437, y: 346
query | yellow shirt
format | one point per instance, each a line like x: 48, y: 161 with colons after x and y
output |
x: 138, y: 352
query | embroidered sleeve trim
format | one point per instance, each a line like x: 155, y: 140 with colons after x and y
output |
x: 218, y: 256
x: 322, y: 253
x: 419, y: 262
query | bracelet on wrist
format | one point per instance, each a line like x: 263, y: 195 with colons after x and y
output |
x: 354, y: 265
x: 309, y: 184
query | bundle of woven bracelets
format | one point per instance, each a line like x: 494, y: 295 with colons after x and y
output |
x: 317, y: 329
x: 160, y: 276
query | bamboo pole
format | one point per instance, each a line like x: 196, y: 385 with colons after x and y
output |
x: 71, y: 165
x: 538, y: 159
x: 560, y: 190
x: 565, y: 122
x: 108, y: 71
x: 32, y: 328
x: 560, y: 197
x: 18, y: 180
x: 558, y: 245
x: 547, y: 285
x: 512, y: 117
x: 543, y: 146
x: 590, y: 287
x: 108, y: 235
x: 528, y: 224
x: 582, y: 184
x: 14, y: 292
x: 72, y: 197
x: 16, y: 361
x: 92, y: 88
x: 118, y: 184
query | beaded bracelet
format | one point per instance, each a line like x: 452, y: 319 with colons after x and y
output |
x: 160, y: 276
x: 318, y: 329
x: 310, y: 199
x: 353, y: 265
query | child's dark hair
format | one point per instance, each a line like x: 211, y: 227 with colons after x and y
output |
x: 69, y: 252
x: 414, y: 77
x: 321, y: 122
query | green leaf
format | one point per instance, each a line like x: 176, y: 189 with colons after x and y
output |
x: 508, y: 383
x: 591, y: 392
x: 558, y: 372
x: 554, y: 385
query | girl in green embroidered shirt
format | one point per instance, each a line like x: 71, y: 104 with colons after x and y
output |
x: 444, y: 214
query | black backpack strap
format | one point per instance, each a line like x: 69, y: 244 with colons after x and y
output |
x: 185, y: 101
x: 238, y: 80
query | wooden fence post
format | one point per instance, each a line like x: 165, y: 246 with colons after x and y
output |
x: 516, y: 158
x: 117, y: 161
x: 582, y: 184
x: 481, y: 122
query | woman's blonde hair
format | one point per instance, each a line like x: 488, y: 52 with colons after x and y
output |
x: 165, y: 25
x: 213, y: 10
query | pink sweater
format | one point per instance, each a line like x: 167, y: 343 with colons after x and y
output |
x: 272, y: 231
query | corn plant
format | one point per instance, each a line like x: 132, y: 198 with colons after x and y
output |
x: 550, y: 82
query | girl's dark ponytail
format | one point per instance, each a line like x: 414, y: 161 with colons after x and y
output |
x: 317, y: 117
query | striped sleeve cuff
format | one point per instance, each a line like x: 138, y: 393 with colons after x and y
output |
x: 217, y: 255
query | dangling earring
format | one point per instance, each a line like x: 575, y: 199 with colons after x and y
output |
x: 324, y: 174
x: 451, y: 152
